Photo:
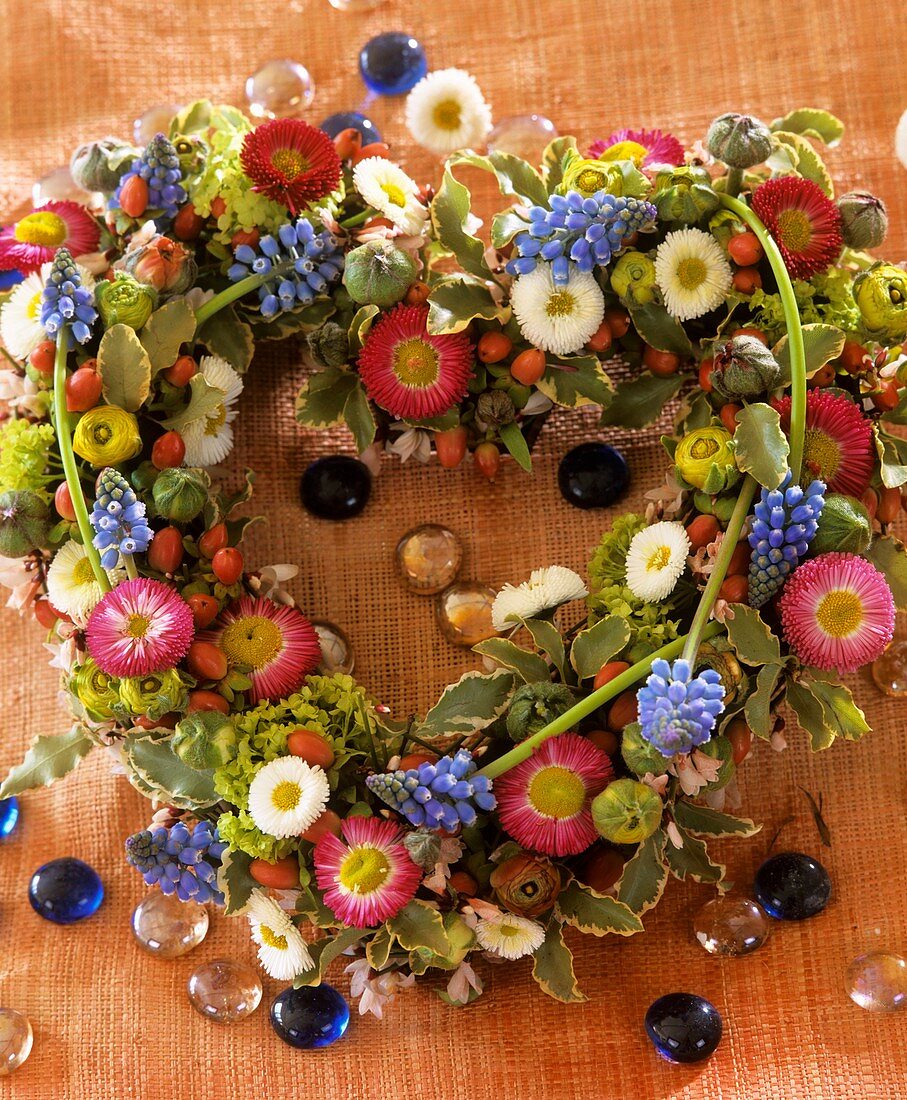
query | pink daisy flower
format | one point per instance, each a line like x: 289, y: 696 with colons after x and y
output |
x: 34, y: 239
x: 142, y: 626
x: 661, y: 148
x: 838, y: 444
x: 368, y: 876
x: 411, y: 373
x: 837, y: 612
x: 544, y: 802
x: 276, y: 644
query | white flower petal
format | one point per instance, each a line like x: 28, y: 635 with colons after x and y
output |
x: 71, y: 584
x: 287, y: 796
x: 656, y: 557
x: 446, y: 111
x: 390, y: 190
x: 510, y: 936
x: 281, y: 949
x: 692, y: 273
x: 546, y: 589
x: 559, y: 319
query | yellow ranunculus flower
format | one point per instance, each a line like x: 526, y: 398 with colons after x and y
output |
x: 633, y: 278
x: 625, y: 150
x: 705, y: 459
x: 107, y: 435
x: 588, y: 176
x: 881, y: 295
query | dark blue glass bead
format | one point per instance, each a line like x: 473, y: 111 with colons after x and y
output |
x: 345, y: 120
x: 593, y: 475
x: 683, y: 1027
x: 65, y: 890
x: 9, y: 816
x: 336, y: 487
x: 392, y: 63
x: 792, y: 886
x: 310, y: 1017
x: 9, y: 279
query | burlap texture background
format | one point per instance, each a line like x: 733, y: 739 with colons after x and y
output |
x: 111, y: 1022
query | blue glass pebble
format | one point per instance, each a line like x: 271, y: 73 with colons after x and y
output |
x: 9, y: 279
x: 310, y: 1017
x: 392, y: 63
x: 593, y: 475
x: 9, y: 816
x: 337, y: 487
x: 345, y: 120
x: 792, y: 886
x: 683, y: 1027
x: 65, y: 891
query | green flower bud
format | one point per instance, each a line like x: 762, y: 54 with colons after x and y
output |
x: 881, y: 296
x: 180, y: 493
x: 744, y: 368
x: 534, y: 706
x: 206, y: 739
x: 626, y: 812
x: 25, y: 522
x: 191, y: 151
x: 98, y: 165
x: 95, y: 690
x: 720, y: 748
x: 864, y: 219
x: 633, y: 278
x: 638, y: 754
x: 378, y: 273
x: 705, y: 460
x: 495, y: 409
x: 723, y: 507
x: 125, y: 301
x: 152, y: 696
x: 684, y: 195
x: 844, y: 525
x: 329, y: 345
x: 739, y: 141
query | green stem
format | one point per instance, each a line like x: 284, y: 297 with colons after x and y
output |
x: 584, y: 707
x: 357, y: 219
x: 228, y: 296
x: 131, y: 571
x: 734, y: 182
x: 796, y: 346
x: 70, y: 466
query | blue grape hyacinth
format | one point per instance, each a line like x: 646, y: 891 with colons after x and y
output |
x: 179, y: 861
x: 159, y: 167
x: 300, y: 262
x: 118, y: 517
x: 677, y: 710
x: 786, y: 519
x: 584, y: 231
x: 65, y: 301
x: 441, y: 795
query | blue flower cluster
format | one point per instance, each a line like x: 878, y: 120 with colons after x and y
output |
x: 584, y: 231
x: 300, y: 263
x: 179, y: 861
x: 159, y: 167
x: 118, y: 517
x: 65, y: 301
x: 785, y: 521
x: 677, y: 710
x: 440, y: 795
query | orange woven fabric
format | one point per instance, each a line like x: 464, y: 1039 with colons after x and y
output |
x: 110, y: 1021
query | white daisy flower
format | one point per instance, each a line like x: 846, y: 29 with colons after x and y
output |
x: 446, y: 111
x: 71, y: 584
x: 655, y: 559
x: 546, y: 589
x: 692, y: 273
x: 210, y: 438
x: 559, y: 319
x: 510, y: 936
x: 281, y: 949
x: 287, y: 796
x: 20, y: 319
x: 389, y: 190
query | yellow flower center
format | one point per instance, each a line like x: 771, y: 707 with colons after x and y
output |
x: 794, y: 229
x: 254, y: 641
x: 821, y: 453
x: 137, y: 625
x: 42, y: 228
x: 286, y: 796
x: 560, y: 304
x: 591, y: 179
x: 704, y: 448
x: 33, y: 310
x: 625, y: 150
x: 447, y: 114
x: 290, y: 163
x: 271, y: 939
x: 364, y: 870
x: 691, y: 272
x: 394, y: 194
x: 102, y: 433
x: 557, y: 792
x: 658, y: 559
x: 214, y: 423
x: 83, y: 573
x: 508, y: 930
x: 840, y: 612
x: 416, y: 363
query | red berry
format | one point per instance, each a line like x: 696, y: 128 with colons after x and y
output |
x: 165, y: 554
x: 741, y: 738
x: 601, y: 339
x: 310, y: 747
x: 83, y: 390
x: 463, y: 883
x: 227, y: 565
x: 42, y: 357
x: 705, y: 374
x: 168, y: 450
x: 888, y: 397
x: 329, y: 822
x: 134, y: 197
x: 756, y: 333
x: 206, y: 661
x: 740, y: 559
x: 200, y: 699
x: 618, y: 321
x: 701, y: 531
x: 624, y: 709
x: 418, y: 293
x: 745, y: 249
x: 45, y: 613
x: 494, y: 347
x: 488, y: 459
x: 251, y: 237
x: 747, y: 280
x: 182, y: 370
x: 734, y: 589
x: 204, y: 609
x: 728, y: 416
x: 374, y: 149
x: 214, y: 539
x: 218, y: 207
x: 854, y: 357
x: 348, y: 143
x: 528, y: 367
x: 281, y: 875
x: 187, y: 225
x: 889, y: 504
x: 601, y: 868
x: 414, y: 759
x: 608, y: 672
x: 662, y: 363
x: 451, y: 446
x: 63, y: 502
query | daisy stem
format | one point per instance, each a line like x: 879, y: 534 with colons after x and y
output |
x: 584, y: 707
x: 357, y: 219
x: 131, y: 571
x: 796, y: 346
x: 734, y: 182
x: 228, y: 296
x: 70, y: 466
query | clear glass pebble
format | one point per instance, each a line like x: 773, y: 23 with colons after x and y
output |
x: 155, y: 120
x: 429, y: 558
x: 336, y: 649
x: 878, y: 981
x: 225, y: 991
x: 464, y: 613
x: 16, y: 1038
x: 167, y: 927
x: 731, y: 926
x: 524, y: 136
x: 280, y: 89
x: 890, y: 670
